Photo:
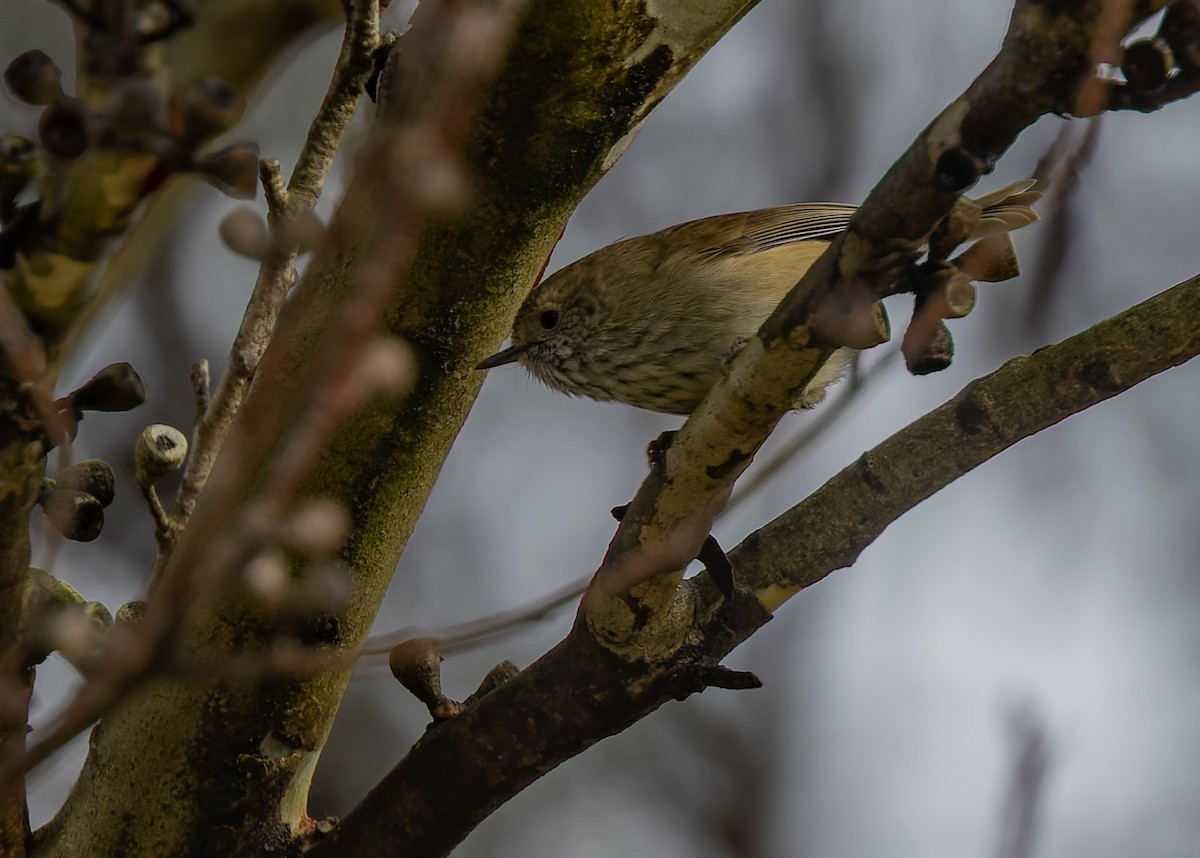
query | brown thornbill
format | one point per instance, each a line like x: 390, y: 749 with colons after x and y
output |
x: 650, y: 321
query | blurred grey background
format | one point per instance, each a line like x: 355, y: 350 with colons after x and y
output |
x: 1059, y: 580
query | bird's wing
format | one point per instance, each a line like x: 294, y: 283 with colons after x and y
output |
x: 752, y: 232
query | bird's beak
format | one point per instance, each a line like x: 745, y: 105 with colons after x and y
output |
x: 507, y: 355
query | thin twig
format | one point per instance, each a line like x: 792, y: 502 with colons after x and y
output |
x: 1061, y: 168
x: 482, y: 630
x: 1027, y: 782
x: 163, y: 530
x: 277, y: 273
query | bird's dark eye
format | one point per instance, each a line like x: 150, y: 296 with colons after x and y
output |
x: 549, y: 319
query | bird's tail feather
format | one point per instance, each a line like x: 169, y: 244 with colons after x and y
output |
x: 1009, y: 208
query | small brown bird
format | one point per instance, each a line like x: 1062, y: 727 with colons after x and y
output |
x: 650, y: 321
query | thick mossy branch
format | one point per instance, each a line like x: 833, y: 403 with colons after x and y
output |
x: 580, y: 692
x: 22, y: 464
x: 579, y: 78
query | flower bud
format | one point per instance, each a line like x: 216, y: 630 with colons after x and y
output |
x: 233, y: 169
x: 493, y: 679
x: 160, y: 451
x: 34, y: 78
x: 63, y: 129
x: 93, y: 476
x: 117, y: 387
x: 76, y: 633
x: 927, y: 348
x: 73, y: 513
x: 245, y: 233
x: 131, y: 612
x: 959, y: 295
x: 208, y: 107
x: 418, y: 665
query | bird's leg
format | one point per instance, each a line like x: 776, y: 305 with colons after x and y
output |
x: 711, y: 554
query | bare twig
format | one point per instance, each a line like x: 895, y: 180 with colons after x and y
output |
x: 162, y: 520
x: 1060, y: 167
x: 465, y: 636
x: 1024, y: 796
x: 277, y: 272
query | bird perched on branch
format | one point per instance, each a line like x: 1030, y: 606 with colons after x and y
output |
x: 651, y: 321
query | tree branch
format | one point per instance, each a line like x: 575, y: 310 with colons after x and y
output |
x: 277, y: 273
x: 554, y: 121
x: 581, y: 692
x: 1045, y: 58
x: 1025, y: 396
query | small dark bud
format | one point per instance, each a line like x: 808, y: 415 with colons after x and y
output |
x: 75, y: 514
x: 208, y: 107
x: 927, y: 351
x: 117, y: 387
x: 955, y: 171
x: 136, y: 109
x: 63, y: 129
x: 1145, y: 65
x: 92, y: 476
x: 245, y: 233
x: 34, y: 78
x: 418, y: 665
x: 131, y: 612
x: 496, y: 677
x: 160, y: 450
x: 234, y: 170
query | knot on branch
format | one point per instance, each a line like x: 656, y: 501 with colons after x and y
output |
x: 417, y: 663
x: 957, y: 169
